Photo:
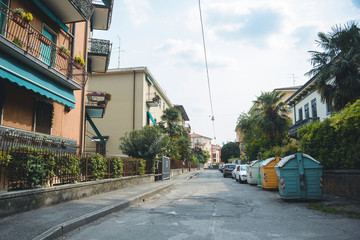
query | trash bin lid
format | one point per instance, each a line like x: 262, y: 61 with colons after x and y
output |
x: 267, y: 161
x: 252, y: 163
x: 286, y: 159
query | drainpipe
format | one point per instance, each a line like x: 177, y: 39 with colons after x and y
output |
x: 134, y: 101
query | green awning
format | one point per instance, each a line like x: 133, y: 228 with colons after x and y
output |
x: 33, y: 80
x: 151, y: 117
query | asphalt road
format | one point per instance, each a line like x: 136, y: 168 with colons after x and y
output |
x: 209, y: 206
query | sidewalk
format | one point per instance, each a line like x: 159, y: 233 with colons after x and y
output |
x: 52, y: 222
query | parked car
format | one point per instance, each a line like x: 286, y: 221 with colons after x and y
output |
x: 233, y: 173
x: 241, y: 173
x: 221, y: 167
x: 228, y: 169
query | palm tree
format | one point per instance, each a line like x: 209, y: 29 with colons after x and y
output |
x: 271, y: 114
x: 337, y: 68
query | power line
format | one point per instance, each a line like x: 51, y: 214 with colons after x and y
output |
x: 207, y: 70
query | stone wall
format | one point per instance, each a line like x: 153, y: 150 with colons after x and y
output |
x: 342, y: 183
x: 25, y: 200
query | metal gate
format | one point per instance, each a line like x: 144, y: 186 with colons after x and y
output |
x: 165, y: 168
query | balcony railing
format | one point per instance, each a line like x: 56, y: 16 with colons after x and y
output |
x: 153, y: 100
x: 99, y: 53
x: 11, y: 137
x: 24, y: 36
x: 293, y: 129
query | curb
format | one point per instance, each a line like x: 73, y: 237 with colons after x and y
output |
x: 66, y: 227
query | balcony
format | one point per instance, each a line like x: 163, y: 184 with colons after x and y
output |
x: 153, y: 100
x: 101, y: 18
x: 70, y: 10
x: 96, y: 104
x: 99, y: 55
x: 293, y: 129
x: 12, y: 137
x: 23, y: 42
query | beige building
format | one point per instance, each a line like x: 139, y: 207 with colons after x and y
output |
x: 200, y: 141
x: 137, y: 100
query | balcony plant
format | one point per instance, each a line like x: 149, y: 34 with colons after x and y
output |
x: 22, y: 18
x: 64, y: 51
x: 79, y: 62
x: 92, y: 95
x: 18, y: 42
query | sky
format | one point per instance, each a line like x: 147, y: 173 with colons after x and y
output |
x: 252, y: 46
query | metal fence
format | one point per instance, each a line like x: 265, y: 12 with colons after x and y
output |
x: 23, y: 167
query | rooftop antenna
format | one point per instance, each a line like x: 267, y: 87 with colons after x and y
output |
x: 294, y: 78
x: 119, y: 51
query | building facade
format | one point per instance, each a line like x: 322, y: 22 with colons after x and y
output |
x: 137, y: 101
x: 306, y: 107
x: 45, y: 54
x: 200, y: 141
x: 215, y: 156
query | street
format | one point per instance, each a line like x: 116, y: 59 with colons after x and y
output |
x: 209, y: 206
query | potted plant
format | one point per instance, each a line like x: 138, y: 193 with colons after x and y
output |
x: 18, y: 42
x: 79, y: 62
x: 22, y: 18
x: 64, y: 52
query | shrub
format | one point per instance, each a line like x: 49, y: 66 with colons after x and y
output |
x: 142, y: 166
x: 117, y: 167
x: 335, y: 142
x: 97, y: 166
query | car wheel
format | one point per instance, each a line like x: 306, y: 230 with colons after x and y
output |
x: 240, y: 181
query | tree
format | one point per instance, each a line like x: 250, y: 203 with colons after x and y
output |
x: 272, y: 115
x: 146, y: 143
x: 336, y: 69
x: 229, y: 150
x: 182, y: 146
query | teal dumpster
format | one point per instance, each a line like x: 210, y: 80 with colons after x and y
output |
x: 299, y: 176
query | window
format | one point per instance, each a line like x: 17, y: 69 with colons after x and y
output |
x: 44, y: 112
x: 2, y: 16
x: 313, y: 108
x: 300, y: 114
x: 100, y: 148
x: 306, y: 109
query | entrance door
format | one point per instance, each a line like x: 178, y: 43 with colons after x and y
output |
x: 47, y: 51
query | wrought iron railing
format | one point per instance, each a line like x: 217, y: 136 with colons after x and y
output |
x: 26, y: 37
x: 293, y: 129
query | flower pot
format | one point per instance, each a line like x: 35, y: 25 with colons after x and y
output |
x: 64, y: 54
x: 78, y: 65
x: 44, y: 40
x: 18, y: 19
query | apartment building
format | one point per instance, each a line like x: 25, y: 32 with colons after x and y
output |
x: 46, y: 56
x: 137, y: 100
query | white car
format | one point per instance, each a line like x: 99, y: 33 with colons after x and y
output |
x: 233, y: 173
x: 240, y: 173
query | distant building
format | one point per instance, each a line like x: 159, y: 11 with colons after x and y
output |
x: 200, y: 141
x: 215, y: 156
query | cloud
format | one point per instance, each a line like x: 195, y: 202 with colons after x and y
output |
x: 254, y: 26
x: 356, y: 3
x: 190, y: 53
x: 138, y: 10
x: 304, y: 36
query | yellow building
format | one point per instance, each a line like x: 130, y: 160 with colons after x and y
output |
x: 137, y: 100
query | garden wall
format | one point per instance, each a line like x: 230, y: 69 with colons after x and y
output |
x: 25, y: 200
x: 342, y: 183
